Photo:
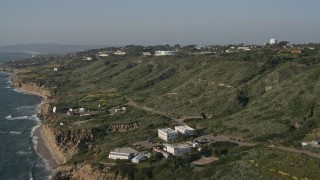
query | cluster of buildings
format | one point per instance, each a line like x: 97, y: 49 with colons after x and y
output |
x: 167, y: 149
x: 169, y: 135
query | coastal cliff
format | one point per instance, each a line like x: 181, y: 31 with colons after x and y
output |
x: 63, y: 144
x: 6, y: 68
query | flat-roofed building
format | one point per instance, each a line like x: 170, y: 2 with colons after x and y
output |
x: 138, y: 159
x: 167, y: 134
x: 165, y: 53
x: 122, y: 153
x: 177, y: 149
x: 186, y: 130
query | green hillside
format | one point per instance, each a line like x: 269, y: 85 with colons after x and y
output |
x: 263, y: 96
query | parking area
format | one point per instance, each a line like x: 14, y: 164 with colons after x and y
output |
x: 145, y: 144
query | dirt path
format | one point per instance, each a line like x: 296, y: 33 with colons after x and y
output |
x: 179, y: 120
x: 316, y: 155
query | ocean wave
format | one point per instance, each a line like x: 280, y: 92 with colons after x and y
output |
x: 21, y: 108
x: 22, y: 152
x: 17, y: 118
x: 35, y: 142
x: 15, y: 132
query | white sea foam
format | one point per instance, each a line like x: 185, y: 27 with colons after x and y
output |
x: 22, y: 153
x: 15, y: 132
x: 8, y: 117
x: 17, y: 118
x: 20, y: 108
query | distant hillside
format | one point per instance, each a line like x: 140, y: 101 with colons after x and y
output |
x: 47, y: 48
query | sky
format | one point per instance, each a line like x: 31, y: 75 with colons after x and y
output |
x: 153, y: 22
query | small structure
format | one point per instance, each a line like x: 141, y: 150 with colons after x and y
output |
x: 159, y: 150
x: 273, y: 41
x: 122, y: 109
x: 138, y: 159
x: 165, y: 53
x: 146, y: 54
x: 177, y: 149
x: 315, y: 143
x: 55, y: 69
x: 54, y: 110
x: 103, y: 54
x: 185, y: 130
x: 167, y: 134
x: 88, y: 58
x: 244, y: 48
x: 122, y: 153
x: 80, y: 110
x: 119, y: 53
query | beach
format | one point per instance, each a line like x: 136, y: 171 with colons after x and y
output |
x: 44, y: 140
x: 44, y: 149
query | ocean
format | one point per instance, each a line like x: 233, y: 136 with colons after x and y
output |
x: 18, y: 120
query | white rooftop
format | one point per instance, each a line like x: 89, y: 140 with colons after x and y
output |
x: 167, y: 130
x: 125, y: 150
x: 177, y: 145
x: 184, y: 127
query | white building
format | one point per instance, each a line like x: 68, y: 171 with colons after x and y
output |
x: 165, y: 53
x: 88, y: 58
x: 186, y: 130
x: 177, y: 149
x: 146, y: 54
x: 273, y: 41
x: 167, y: 134
x: 138, y: 159
x: 122, y: 153
x: 103, y: 54
x: 244, y: 48
x: 119, y: 53
x: 55, y: 69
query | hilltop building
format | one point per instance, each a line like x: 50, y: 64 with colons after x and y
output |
x: 119, y: 53
x: 103, y: 54
x: 165, y: 53
x: 146, y: 54
x: 273, y: 41
x: 88, y: 58
x: 167, y: 134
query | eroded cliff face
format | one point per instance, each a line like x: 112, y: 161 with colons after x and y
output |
x: 124, y: 127
x: 71, y: 142
x: 55, y: 150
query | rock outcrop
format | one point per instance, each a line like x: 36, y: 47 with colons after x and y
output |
x: 124, y: 127
x: 83, y: 171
